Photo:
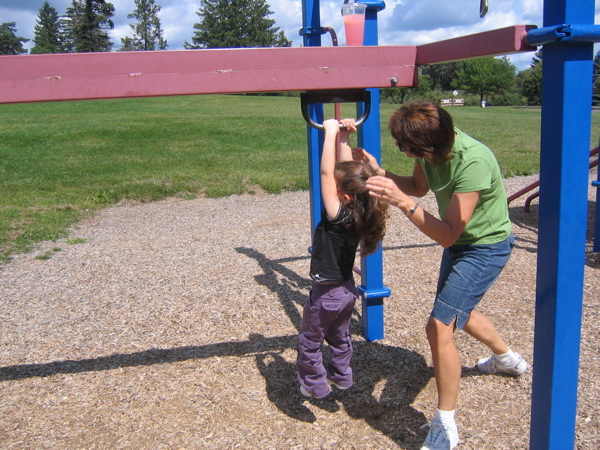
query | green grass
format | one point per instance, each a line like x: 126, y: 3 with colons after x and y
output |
x: 62, y: 160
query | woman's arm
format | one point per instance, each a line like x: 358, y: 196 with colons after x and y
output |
x: 447, y: 231
x: 397, y: 191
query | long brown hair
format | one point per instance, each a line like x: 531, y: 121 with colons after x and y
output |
x: 424, y: 128
x: 369, y: 213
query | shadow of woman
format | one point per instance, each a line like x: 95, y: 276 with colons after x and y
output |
x: 386, y: 382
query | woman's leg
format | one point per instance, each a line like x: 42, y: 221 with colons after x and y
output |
x: 446, y: 362
x: 482, y: 329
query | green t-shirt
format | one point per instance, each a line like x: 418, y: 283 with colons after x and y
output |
x: 473, y: 168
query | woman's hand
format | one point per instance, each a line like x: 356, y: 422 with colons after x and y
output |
x: 385, y: 189
x: 360, y: 154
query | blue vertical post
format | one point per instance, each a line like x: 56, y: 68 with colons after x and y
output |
x: 372, y: 288
x: 566, y: 119
x: 596, y: 184
x: 311, y: 32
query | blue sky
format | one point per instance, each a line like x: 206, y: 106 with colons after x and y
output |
x: 402, y: 22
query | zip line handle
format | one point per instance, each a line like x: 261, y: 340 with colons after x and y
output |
x: 340, y: 96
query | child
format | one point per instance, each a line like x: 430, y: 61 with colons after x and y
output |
x: 351, y: 216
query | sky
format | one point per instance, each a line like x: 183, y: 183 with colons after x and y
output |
x: 402, y: 22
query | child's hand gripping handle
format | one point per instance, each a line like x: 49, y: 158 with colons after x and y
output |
x: 314, y: 97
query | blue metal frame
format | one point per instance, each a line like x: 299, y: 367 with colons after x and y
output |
x: 372, y: 289
x: 566, y: 113
x: 596, y: 184
x: 311, y: 36
x: 564, y: 164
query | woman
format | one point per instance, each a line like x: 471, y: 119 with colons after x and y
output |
x: 475, y: 230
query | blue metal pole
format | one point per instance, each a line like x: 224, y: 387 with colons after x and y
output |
x: 566, y: 120
x: 311, y: 33
x: 372, y: 288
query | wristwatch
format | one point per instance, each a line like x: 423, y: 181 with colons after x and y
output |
x: 412, y: 210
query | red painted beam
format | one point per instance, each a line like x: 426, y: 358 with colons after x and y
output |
x: 503, y: 41
x: 76, y: 76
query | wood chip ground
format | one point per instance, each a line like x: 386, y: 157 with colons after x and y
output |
x: 174, y: 326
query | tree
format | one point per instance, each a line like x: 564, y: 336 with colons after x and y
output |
x: 442, y: 76
x: 47, y: 33
x: 537, y: 57
x: 10, y: 43
x: 486, y: 76
x: 532, y: 80
x: 88, y: 22
x: 532, y: 85
x: 147, y: 33
x: 235, y: 24
x: 596, y: 80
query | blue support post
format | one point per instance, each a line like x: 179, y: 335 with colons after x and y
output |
x: 596, y: 184
x: 311, y: 33
x: 372, y: 288
x: 566, y: 120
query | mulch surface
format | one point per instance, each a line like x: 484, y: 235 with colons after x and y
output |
x: 174, y: 325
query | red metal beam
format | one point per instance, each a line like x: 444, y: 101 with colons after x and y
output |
x: 503, y: 41
x: 29, y: 78
x: 78, y: 76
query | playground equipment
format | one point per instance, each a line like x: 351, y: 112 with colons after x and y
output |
x: 567, y: 36
x: 532, y: 186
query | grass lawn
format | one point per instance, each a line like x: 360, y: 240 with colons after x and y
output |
x: 59, y: 161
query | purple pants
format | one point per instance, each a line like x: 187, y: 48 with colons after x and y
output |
x: 326, y: 317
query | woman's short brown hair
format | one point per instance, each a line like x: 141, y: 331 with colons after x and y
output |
x: 424, y: 128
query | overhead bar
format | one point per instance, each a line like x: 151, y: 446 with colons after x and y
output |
x: 80, y: 76
x: 76, y: 76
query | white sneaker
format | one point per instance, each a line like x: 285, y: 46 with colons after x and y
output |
x: 304, y: 392
x: 307, y: 394
x: 492, y: 365
x: 440, y: 436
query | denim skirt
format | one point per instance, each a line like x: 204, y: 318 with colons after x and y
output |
x: 466, y: 274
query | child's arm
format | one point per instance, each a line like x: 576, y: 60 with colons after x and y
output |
x: 328, y: 185
x: 345, y: 148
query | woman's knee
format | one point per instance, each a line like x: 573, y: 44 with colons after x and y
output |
x: 439, y: 332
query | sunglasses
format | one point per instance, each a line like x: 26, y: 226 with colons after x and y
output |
x: 406, y: 150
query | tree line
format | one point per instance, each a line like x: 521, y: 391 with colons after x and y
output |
x: 495, y: 80
x: 85, y: 25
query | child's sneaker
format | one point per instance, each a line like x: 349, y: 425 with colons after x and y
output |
x: 441, y: 436
x: 492, y: 365
x: 307, y: 394
x: 304, y: 392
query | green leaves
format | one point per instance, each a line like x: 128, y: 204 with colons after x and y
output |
x: 236, y: 24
